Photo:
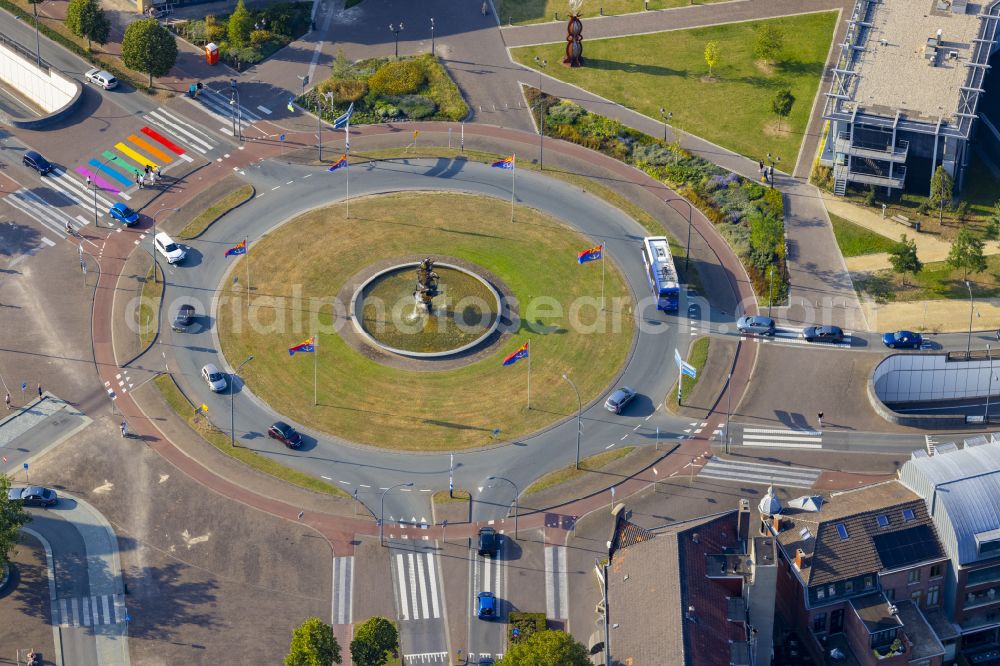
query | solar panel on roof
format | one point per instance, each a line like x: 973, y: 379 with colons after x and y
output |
x: 906, y: 547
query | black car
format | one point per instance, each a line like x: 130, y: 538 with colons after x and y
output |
x: 285, y: 434
x: 823, y: 334
x: 33, y: 496
x: 34, y: 160
x: 183, y: 318
x: 489, y: 541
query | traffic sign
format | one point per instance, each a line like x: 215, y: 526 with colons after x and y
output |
x: 25, y: 466
x: 281, y: 137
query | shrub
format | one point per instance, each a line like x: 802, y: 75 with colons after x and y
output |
x: 924, y: 208
x: 259, y: 38
x: 772, y: 204
x: 870, y: 196
x: 240, y: 25
x: 738, y: 237
x: 416, y: 106
x: 385, y: 110
x: 753, y: 190
x: 397, y: 78
x: 442, y: 89
x: 564, y: 113
x: 345, y: 90
x: 214, y: 32
x: 822, y: 176
x: 961, y: 210
x: 652, y: 154
x: 526, y: 625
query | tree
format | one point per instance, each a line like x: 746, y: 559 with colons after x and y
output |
x: 240, y: 25
x: 12, y: 516
x: 342, y: 67
x: 942, y: 185
x: 313, y: 644
x: 374, y: 640
x: 545, y: 648
x: 768, y: 42
x: 149, y: 47
x: 86, y: 18
x: 782, y: 104
x: 903, y: 257
x: 711, y: 56
x: 967, y: 253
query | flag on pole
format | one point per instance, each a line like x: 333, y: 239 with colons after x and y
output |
x: 305, y: 346
x: 505, y: 163
x: 341, y: 162
x: 345, y: 118
x: 291, y: 108
x: 521, y: 352
x: 237, y: 250
x: 593, y: 254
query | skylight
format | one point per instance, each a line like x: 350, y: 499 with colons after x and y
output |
x: 842, y: 531
x: 908, y: 515
x: 883, y: 520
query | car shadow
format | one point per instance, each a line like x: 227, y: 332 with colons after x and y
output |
x: 640, y: 405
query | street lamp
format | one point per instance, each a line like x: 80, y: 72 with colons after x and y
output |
x: 38, y: 48
x: 93, y: 185
x: 381, y: 520
x: 989, y: 386
x: 687, y: 251
x: 395, y: 31
x: 729, y: 406
x: 542, y: 64
x: 972, y: 308
x: 513, y: 485
x: 579, y: 417
x: 772, y: 161
x: 770, y: 290
x: 234, y: 102
x: 667, y: 117
x: 232, y: 401
x: 432, y: 35
x: 151, y: 254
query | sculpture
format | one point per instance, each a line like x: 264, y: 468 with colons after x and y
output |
x: 574, y: 36
x: 427, y: 284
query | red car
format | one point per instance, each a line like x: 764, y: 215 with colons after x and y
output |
x: 285, y: 434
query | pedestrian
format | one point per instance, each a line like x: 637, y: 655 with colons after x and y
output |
x: 770, y: 174
x: 7, y: 400
x: 138, y: 180
x: 820, y: 417
x: 147, y: 169
x: 124, y: 428
x: 39, y: 391
x: 760, y: 166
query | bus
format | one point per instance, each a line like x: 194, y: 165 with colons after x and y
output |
x: 660, y: 272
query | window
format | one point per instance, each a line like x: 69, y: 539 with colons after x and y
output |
x: 915, y: 597
x: 820, y: 593
x: 913, y: 576
x: 868, y: 582
x: 842, y: 531
x: 883, y: 520
x: 890, y: 593
x: 831, y: 590
x: 933, y: 594
x: 848, y: 586
x: 908, y: 515
x: 936, y: 570
x: 819, y: 622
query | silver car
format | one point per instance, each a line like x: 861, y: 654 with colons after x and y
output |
x: 755, y: 325
x: 214, y: 378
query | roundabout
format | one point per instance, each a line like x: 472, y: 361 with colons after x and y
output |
x: 382, y: 388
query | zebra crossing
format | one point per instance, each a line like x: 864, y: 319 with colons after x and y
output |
x: 556, y: 582
x: 89, y: 611
x: 759, y: 473
x: 418, y: 585
x: 427, y: 658
x: 220, y: 106
x: 196, y: 138
x: 52, y: 218
x: 780, y: 438
x: 343, y: 571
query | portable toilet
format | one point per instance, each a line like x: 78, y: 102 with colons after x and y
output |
x: 211, y: 53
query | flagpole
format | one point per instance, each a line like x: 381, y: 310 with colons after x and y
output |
x: 347, y: 152
x: 246, y: 242
x: 529, y: 374
x: 315, y: 363
x: 513, y: 170
x: 602, y: 276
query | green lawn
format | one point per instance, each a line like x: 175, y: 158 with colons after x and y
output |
x: 697, y: 356
x: 667, y: 70
x: 854, y: 240
x: 570, y: 472
x: 366, y: 401
x: 936, y: 281
x: 536, y: 11
x: 149, y: 307
x: 219, y: 208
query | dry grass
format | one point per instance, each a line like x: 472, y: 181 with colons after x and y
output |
x: 570, y: 472
x: 219, y: 208
x: 149, y: 307
x: 367, y: 402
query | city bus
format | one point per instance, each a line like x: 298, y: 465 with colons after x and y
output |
x: 660, y: 272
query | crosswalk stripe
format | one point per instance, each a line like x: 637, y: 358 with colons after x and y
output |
x: 400, y: 570
x: 433, y: 583
x: 117, y: 175
x: 781, y: 431
x: 62, y: 613
x: 342, y: 589
x: 78, y: 193
x: 424, y: 605
x: 104, y: 605
x: 804, y: 472
x: 44, y: 216
x: 151, y: 149
x: 172, y: 125
x: 411, y: 570
x: 756, y: 473
x: 136, y: 157
x: 162, y: 140
x: 763, y: 479
x: 101, y: 183
x: 86, y: 612
x: 108, y: 155
x: 218, y: 100
x: 785, y: 438
x: 782, y: 445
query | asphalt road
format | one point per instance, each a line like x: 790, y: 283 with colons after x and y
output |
x: 650, y: 370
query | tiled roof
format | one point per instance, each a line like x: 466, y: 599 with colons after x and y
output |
x: 829, y: 556
x: 668, y: 573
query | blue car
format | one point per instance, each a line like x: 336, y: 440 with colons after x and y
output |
x: 124, y: 214
x: 902, y: 340
x: 486, y: 605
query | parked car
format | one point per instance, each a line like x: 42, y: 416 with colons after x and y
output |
x: 123, y: 214
x: 489, y: 541
x: 823, y: 334
x: 285, y: 434
x: 102, y: 78
x: 214, y: 378
x: 34, y: 160
x: 902, y: 340
x: 33, y: 496
x: 486, y: 605
x: 616, y: 401
x: 183, y: 318
x: 755, y: 325
x: 170, y: 250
